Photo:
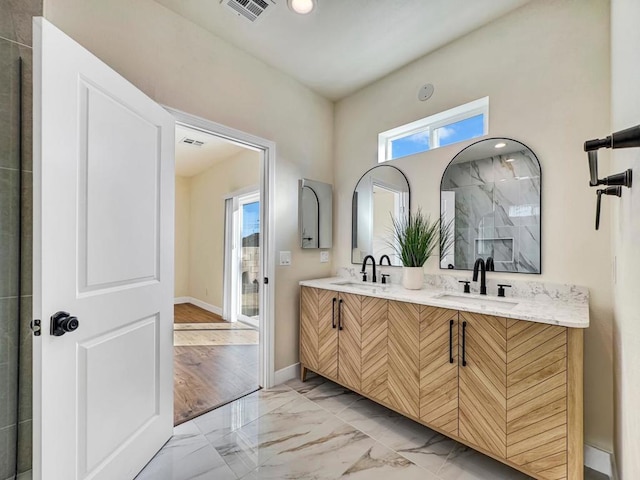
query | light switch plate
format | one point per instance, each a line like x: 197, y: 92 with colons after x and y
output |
x: 285, y: 258
x: 324, y: 257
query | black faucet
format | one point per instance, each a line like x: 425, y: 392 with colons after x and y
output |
x: 490, y: 265
x: 382, y: 258
x: 483, y: 275
x: 364, y: 268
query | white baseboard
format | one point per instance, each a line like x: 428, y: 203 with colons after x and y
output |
x: 199, y: 303
x: 287, y: 373
x: 598, y: 460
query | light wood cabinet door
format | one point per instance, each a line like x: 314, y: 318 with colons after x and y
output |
x: 350, y: 341
x: 375, y: 356
x: 319, y: 330
x: 327, y: 333
x: 537, y: 398
x: 439, y: 368
x: 309, y: 327
x: 483, y: 381
x: 404, y: 357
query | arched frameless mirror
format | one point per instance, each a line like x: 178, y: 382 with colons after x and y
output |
x: 490, y: 193
x: 382, y: 191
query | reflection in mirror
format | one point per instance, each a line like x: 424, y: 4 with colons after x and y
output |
x: 381, y: 193
x: 315, y: 214
x: 491, y: 193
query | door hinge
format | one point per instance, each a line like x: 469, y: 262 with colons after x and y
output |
x: 36, y: 328
x: 266, y: 280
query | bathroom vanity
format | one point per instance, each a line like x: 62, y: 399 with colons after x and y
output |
x: 501, y: 375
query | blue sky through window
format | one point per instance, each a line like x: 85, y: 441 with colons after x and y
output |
x: 462, y: 130
x: 250, y: 218
x: 454, y: 132
x: 416, y: 143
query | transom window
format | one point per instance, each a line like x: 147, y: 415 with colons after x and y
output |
x: 457, y: 124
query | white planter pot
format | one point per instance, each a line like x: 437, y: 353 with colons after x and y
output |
x: 412, y: 278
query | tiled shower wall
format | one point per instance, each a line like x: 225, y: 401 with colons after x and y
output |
x: 497, y: 211
x: 15, y: 189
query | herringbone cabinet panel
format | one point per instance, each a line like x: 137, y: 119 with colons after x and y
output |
x: 537, y: 398
x: 404, y: 357
x: 375, y: 357
x: 350, y: 342
x: 309, y: 327
x: 327, y: 333
x: 439, y: 368
x: 483, y: 382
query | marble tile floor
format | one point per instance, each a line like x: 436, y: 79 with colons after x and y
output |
x: 316, y: 430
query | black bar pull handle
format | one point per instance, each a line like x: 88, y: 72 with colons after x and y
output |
x: 333, y: 313
x: 450, y: 341
x: 464, y: 342
x: 340, y: 314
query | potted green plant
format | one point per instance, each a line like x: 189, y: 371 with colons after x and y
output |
x: 415, y: 239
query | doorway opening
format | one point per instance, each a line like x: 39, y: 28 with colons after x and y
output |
x: 220, y: 320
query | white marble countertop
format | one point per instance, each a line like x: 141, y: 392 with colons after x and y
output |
x: 553, y: 312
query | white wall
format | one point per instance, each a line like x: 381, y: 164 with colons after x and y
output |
x: 545, y: 68
x: 206, y: 236
x: 185, y: 67
x: 183, y: 206
x: 625, y: 87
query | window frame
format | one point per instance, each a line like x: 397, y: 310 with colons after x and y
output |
x: 431, y: 124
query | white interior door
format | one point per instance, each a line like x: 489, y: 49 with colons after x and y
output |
x: 103, y: 251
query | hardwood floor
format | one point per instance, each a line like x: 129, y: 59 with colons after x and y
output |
x: 206, y: 376
x: 188, y: 313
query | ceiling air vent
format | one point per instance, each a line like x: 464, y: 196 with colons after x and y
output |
x: 192, y: 142
x: 249, y: 9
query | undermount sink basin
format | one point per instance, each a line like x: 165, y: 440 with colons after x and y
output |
x: 366, y: 286
x: 479, y: 302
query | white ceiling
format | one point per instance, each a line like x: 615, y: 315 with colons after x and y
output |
x: 191, y: 160
x: 344, y: 44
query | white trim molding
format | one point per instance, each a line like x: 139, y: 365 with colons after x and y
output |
x: 598, y: 460
x: 198, y: 303
x: 287, y: 373
x: 614, y: 468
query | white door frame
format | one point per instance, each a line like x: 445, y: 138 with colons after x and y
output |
x: 267, y: 150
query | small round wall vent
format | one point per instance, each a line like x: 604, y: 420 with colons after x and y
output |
x: 425, y: 92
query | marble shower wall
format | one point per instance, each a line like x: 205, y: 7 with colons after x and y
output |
x: 497, y: 211
x: 15, y: 212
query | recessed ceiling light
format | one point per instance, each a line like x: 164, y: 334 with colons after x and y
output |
x: 500, y: 145
x: 509, y: 159
x: 302, y: 7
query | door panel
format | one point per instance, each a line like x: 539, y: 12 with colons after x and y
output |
x: 328, y: 333
x: 439, y: 368
x: 118, y: 235
x: 136, y: 398
x: 103, y: 251
x: 375, y: 357
x: 404, y: 357
x: 350, y: 341
x: 537, y: 398
x: 483, y: 381
x: 309, y: 327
